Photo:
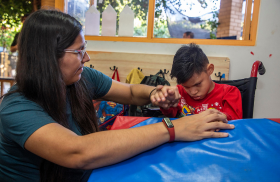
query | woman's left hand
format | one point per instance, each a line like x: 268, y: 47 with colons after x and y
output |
x: 165, y: 96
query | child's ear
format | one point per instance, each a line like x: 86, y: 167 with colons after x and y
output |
x: 210, y: 69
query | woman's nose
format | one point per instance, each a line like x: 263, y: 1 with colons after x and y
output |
x: 86, y: 58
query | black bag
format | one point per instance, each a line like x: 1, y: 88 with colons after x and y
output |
x: 149, y: 110
x: 155, y: 80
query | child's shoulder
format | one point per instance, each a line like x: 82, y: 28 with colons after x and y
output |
x: 179, y: 86
x: 225, y: 87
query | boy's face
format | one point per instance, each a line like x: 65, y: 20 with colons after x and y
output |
x: 199, y: 85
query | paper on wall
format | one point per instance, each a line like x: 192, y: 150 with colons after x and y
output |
x: 92, y: 22
x: 109, y: 21
x: 126, y: 22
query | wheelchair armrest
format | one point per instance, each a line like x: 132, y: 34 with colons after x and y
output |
x: 257, y: 67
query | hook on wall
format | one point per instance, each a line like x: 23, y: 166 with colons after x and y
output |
x: 220, y: 76
x: 165, y: 71
x: 114, y: 68
x: 139, y: 69
x: 91, y: 66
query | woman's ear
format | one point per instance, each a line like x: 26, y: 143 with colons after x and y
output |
x: 210, y: 69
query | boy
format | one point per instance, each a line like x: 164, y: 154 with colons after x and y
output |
x: 192, y: 70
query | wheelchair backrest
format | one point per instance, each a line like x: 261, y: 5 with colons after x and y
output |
x: 247, y: 87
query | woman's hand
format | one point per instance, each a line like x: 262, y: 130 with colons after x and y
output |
x: 200, y: 126
x: 165, y: 96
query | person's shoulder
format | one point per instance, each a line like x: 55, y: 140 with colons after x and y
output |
x: 90, y: 72
x: 87, y: 70
x: 226, y: 87
x: 15, y: 101
x: 93, y: 75
x: 96, y: 80
x: 180, y: 87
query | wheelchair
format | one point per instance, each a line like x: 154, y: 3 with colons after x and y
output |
x: 247, y: 87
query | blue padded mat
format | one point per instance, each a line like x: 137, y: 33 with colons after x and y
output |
x: 250, y: 153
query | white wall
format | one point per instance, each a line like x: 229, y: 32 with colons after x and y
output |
x: 267, y: 99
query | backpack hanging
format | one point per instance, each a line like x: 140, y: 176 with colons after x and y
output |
x: 149, y: 110
x: 155, y: 80
x: 107, y: 111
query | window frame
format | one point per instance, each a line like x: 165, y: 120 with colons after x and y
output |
x: 250, y: 27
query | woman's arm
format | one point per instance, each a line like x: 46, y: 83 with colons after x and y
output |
x: 124, y: 93
x: 63, y: 147
x: 139, y: 94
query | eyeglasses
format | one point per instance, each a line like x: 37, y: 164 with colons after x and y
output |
x: 79, y: 52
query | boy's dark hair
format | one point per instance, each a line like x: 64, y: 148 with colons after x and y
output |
x: 187, y: 61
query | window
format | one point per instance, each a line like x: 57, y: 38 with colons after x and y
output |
x: 213, y: 22
x: 77, y: 9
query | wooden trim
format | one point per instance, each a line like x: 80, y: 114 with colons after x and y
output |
x: 151, y: 16
x: 2, y: 88
x: 150, y: 39
x: 247, y: 20
x: 59, y: 4
x: 173, y: 40
x: 255, y: 20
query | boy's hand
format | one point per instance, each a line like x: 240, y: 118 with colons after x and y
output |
x: 165, y: 96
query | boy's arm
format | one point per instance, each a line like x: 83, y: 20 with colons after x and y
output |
x: 232, y: 103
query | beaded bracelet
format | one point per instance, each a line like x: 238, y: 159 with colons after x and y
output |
x: 152, y: 92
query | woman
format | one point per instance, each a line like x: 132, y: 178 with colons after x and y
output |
x: 48, y: 125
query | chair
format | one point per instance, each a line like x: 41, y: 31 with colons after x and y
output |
x: 247, y: 87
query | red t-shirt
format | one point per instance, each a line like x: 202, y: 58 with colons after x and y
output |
x: 225, y: 98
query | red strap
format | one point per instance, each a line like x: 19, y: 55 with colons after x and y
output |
x: 171, y: 132
x: 118, y: 78
x: 113, y: 77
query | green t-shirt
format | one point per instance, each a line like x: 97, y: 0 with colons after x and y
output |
x: 20, y: 117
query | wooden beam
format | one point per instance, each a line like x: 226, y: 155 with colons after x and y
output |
x: 151, y: 20
x: 47, y: 4
x: 173, y: 40
x: 59, y: 4
x: 255, y: 20
x: 247, y: 21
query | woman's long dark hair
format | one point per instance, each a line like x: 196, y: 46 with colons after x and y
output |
x: 44, y: 36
